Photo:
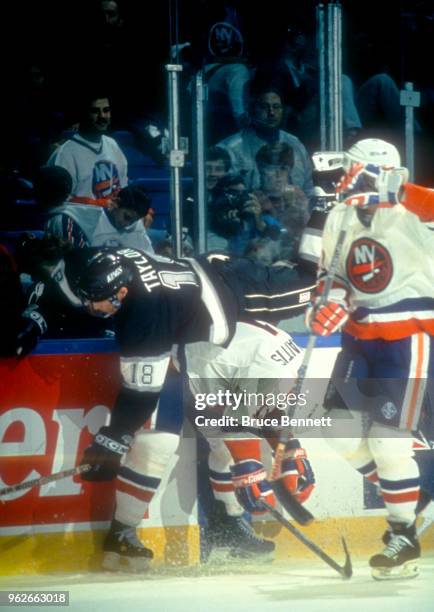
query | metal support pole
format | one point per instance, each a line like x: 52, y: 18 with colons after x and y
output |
x: 410, y: 99
x: 337, y: 46
x: 329, y: 81
x: 334, y: 51
x: 176, y: 158
x: 329, y: 36
x: 200, y: 207
x: 320, y: 37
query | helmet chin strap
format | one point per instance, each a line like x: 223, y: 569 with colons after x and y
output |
x: 101, y: 315
x: 114, y: 301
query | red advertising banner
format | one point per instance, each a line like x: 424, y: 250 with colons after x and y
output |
x: 50, y: 406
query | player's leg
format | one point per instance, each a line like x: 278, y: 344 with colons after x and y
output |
x: 212, y: 369
x: 233, y: 529
x: 219, y: 462
x: 136, y: 484
x: 399, y: 485
x: 345, y: 405
x: 402, y: 374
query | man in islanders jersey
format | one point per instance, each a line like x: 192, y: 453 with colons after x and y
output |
x: 383, y: 298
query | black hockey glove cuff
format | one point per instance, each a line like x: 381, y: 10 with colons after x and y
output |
x: 32, y: 326
x: 104, y: 455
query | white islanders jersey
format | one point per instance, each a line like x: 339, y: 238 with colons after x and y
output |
x: 98, y: 169
x: 387, y: 270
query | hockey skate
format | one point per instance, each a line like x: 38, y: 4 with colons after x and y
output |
x: 237, y: 534
x: 399, y: 557
x: 123, y: 550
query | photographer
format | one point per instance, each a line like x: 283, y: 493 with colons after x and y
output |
x: 236, y: 215
x: 280, y: 199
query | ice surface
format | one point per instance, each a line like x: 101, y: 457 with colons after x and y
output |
x: 273, y: 586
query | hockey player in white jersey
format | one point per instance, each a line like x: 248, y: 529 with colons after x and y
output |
x: 383, y: 299
x: 260, y: 360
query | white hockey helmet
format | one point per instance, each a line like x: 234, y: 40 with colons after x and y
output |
x: 373, y: 151
x: 373, y: 173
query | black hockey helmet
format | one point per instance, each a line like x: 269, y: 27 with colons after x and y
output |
x: 96, y: 274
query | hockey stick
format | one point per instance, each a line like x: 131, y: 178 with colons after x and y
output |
x: 346, y: 571
x: 36, y: 482
x: 297, y: 511
x: 427, y: 521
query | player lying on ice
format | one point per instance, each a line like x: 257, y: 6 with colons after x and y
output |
x: 382, y: 298
x: 157, y: 304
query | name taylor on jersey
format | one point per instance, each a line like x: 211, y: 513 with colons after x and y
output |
x: 153, y: 278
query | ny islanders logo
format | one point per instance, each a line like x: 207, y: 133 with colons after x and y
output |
x: 105, y: 179
x: 369, y: 266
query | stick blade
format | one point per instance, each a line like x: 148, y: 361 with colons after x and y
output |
x: 347, y: 570
x: 298, y: 512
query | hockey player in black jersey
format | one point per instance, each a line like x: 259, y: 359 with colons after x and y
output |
x: 158, y: 304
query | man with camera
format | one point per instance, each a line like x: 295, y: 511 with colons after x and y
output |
x: 236, y: 215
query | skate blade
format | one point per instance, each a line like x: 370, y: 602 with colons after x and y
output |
x: 113, y: 562
x: 403, y: 572
x: 224, y: 556
x: 246, y: 554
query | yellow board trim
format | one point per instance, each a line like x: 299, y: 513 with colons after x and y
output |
x: 362, y: 534
x: 47, y: 553
x: 82, y: 550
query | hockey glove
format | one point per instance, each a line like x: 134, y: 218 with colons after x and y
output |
x: 326, y: 319
x: 369, y: 184
x: 32, y: 326
x: 296, y: 475
x: 104, y: 455
x: 250, y: 482
x: 391, y: 184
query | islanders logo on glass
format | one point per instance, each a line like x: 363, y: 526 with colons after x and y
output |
x: 369, y: 266
x: 105, y: 179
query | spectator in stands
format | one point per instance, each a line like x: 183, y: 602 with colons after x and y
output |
x: 94, y: 160
x: 35, y: 117
x: 377, y: 93
x: 87, y: 225
x: 235, y: 217
x: 266, y: 120
x: 111, y: 14
x: 217, y: 166
x: 295, y: 72
x: 378, y: 99
x: 279, y: 198
x: 227, y: 77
